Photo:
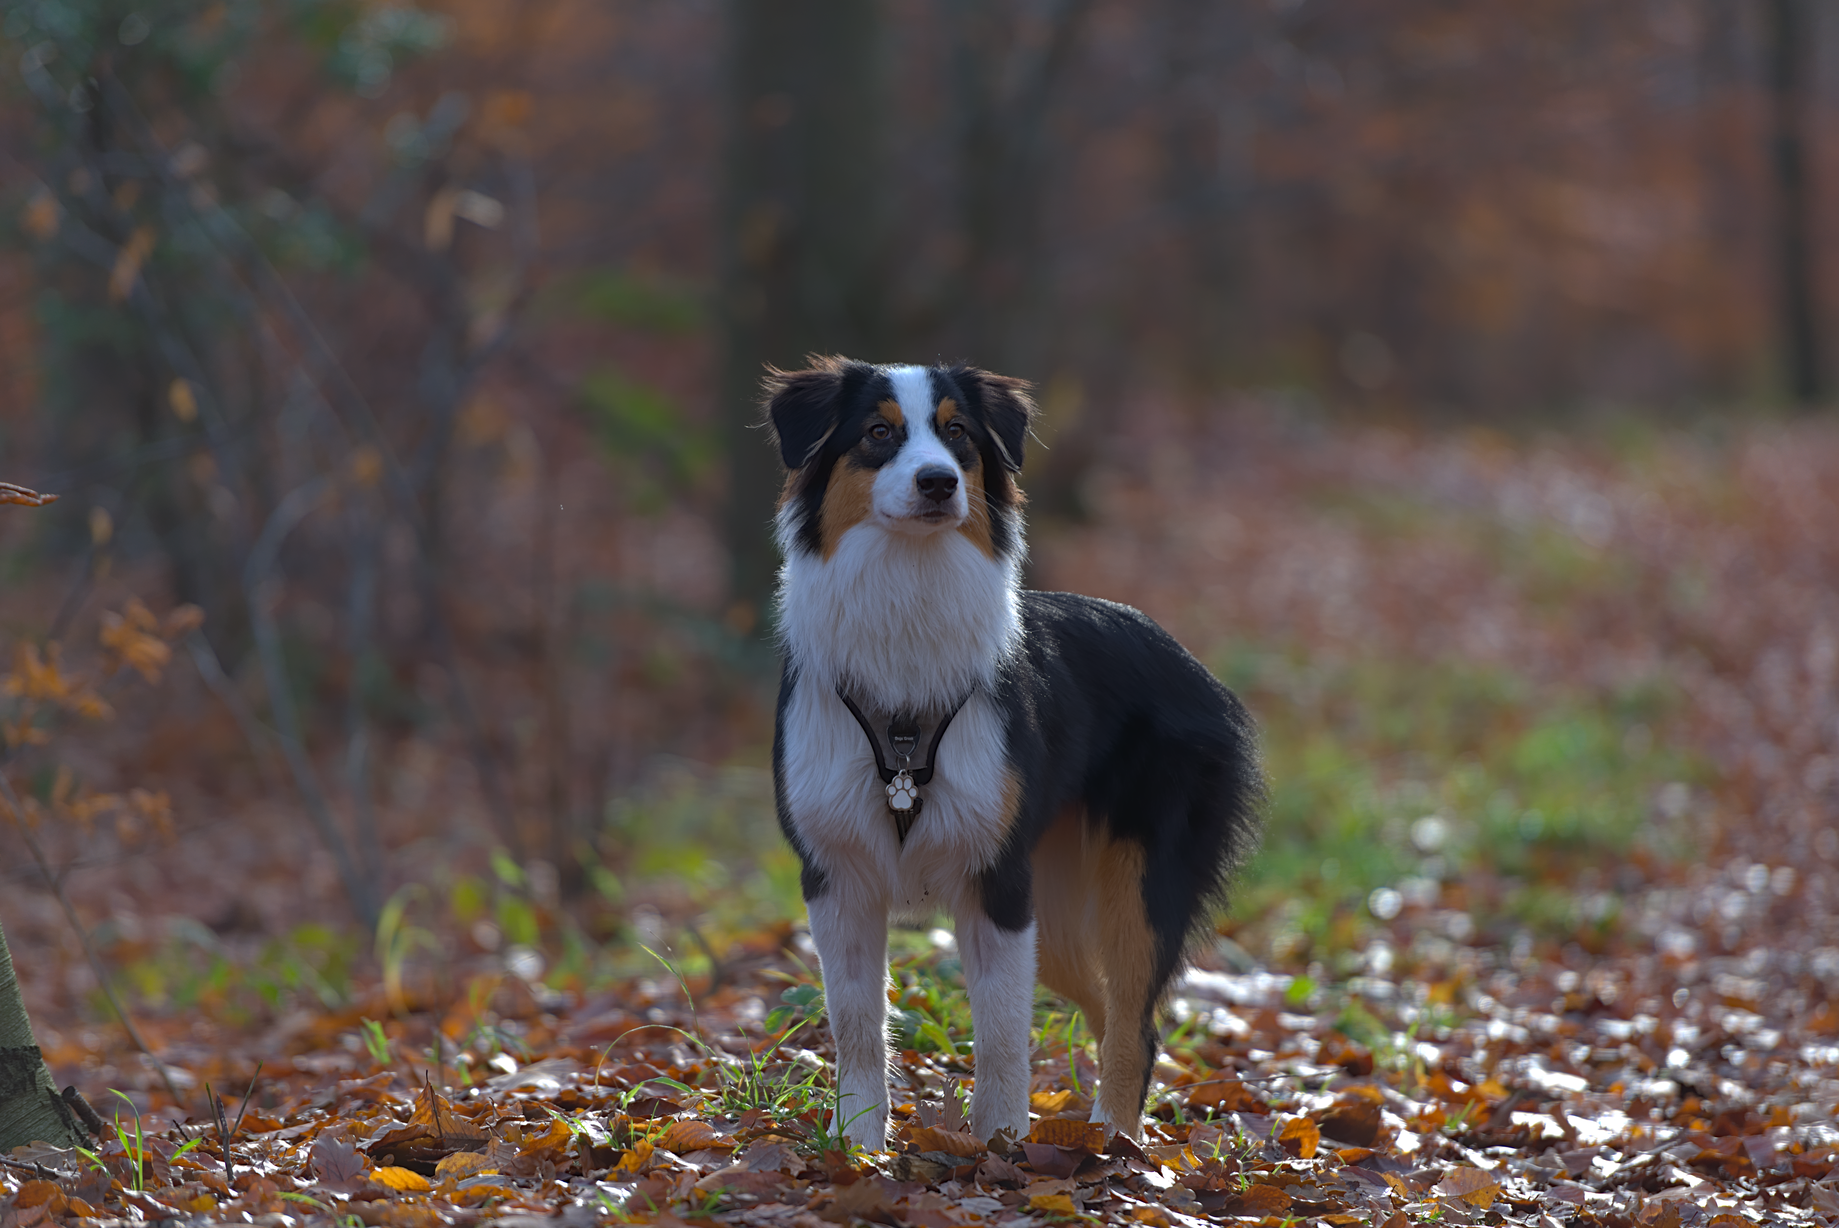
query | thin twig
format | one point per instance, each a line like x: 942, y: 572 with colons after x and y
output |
x: 223, y: 1136
x: 248, y: 1094
x: 95, y: 963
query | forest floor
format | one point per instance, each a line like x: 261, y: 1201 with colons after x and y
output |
x: 1545, y: 929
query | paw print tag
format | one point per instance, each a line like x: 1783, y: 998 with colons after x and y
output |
x: 903, y: 794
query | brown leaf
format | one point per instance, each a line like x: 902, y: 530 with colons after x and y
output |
x: 1300, y: 1137
x: 866, y: 1199
x: 1471, y: 1185
x: 1258, y: 1200
x: 335, y: 1162
x: 1223, y: 1094
x: 41, y: 1194
x: 772, y: 1156
x: 1353, y: 1119
x: 1055, y: 1161
x: 690, y: 1134
x: 952, y: 1142
x: 735, y: 1177
x: 1658, y: 1213
x: 995, y: 1170
x: 1071, y: 1133
x: 25, y: 1217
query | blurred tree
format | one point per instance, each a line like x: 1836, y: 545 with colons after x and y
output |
x: 1007, y: 62
x: 803, y: 233
x: 195, y: 389
x: 1791, y: 29
x: 30, y: 1108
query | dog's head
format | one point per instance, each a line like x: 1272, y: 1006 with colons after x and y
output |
x: 910, y: 450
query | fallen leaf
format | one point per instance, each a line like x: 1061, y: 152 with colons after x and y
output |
x: 772, y: 1155
x: 995, y: 1170
x: 632, y: 1161
x: 335, y: 1162
x: 865, y: 1199
x: 1058, y: 1203
x: 1070, y: 1133
x: 1471, y: 1185
x: 1055, y: 1161
x: 461, y: 1164
x: 1300, y: 1137
x: 1352, y: 1119
x: 402, y: 1180
x: 952, y: 1142
x: 47, y: 1194
x: 1258, y: 1200
x: 1049, y: 1103
x: 690, y: 1134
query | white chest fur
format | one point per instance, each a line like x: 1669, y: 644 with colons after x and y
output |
x: 909, y: 623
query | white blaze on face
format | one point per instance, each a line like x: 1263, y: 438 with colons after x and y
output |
x: 897, y: 496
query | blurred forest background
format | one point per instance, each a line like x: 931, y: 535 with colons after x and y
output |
x: 1414, y: 361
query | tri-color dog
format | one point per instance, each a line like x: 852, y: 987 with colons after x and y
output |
x: 1053, y: 770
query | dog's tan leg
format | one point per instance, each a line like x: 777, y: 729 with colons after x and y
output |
x: 1066, y: 911
x: 1127, y: 952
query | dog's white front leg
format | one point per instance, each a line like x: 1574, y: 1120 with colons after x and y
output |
x: 999, y: 972
x: 852, y: 945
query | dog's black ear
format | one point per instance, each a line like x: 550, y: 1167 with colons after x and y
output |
x: 805, y: 406
x: 1007, y: 408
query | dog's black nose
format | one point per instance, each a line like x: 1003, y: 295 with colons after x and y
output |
x: 937, y: 484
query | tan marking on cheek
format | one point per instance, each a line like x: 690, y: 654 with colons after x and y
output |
x: 847, y: 500
x: 976, y: 526
x: 891, y: 411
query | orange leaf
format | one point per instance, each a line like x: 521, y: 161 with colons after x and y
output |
x: 1471, y: 1185
x: 1300, y: 1137
x: 1053, y: 1202
x: 128, y: 260
x: 689, y: 1135
x: 41, y: 1193
x: 951, y: 1142
x: 1225, y: 1095
x: 1068, y: 1132
x: 461, y: 1164
x: 402, y: 1180
x: 631, y: 1162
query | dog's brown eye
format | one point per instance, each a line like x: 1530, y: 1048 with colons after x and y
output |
x: 879, y: 431
x: 954, y: 430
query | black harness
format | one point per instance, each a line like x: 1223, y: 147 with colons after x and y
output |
x: 903, y: 781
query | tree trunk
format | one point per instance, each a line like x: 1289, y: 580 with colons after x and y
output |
x: 1789, y: 38
x: 804, y: 234
x: 1002, y: 88
x: 30, y: 1108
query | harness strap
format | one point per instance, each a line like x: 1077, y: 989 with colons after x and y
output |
x: 921, y: 775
